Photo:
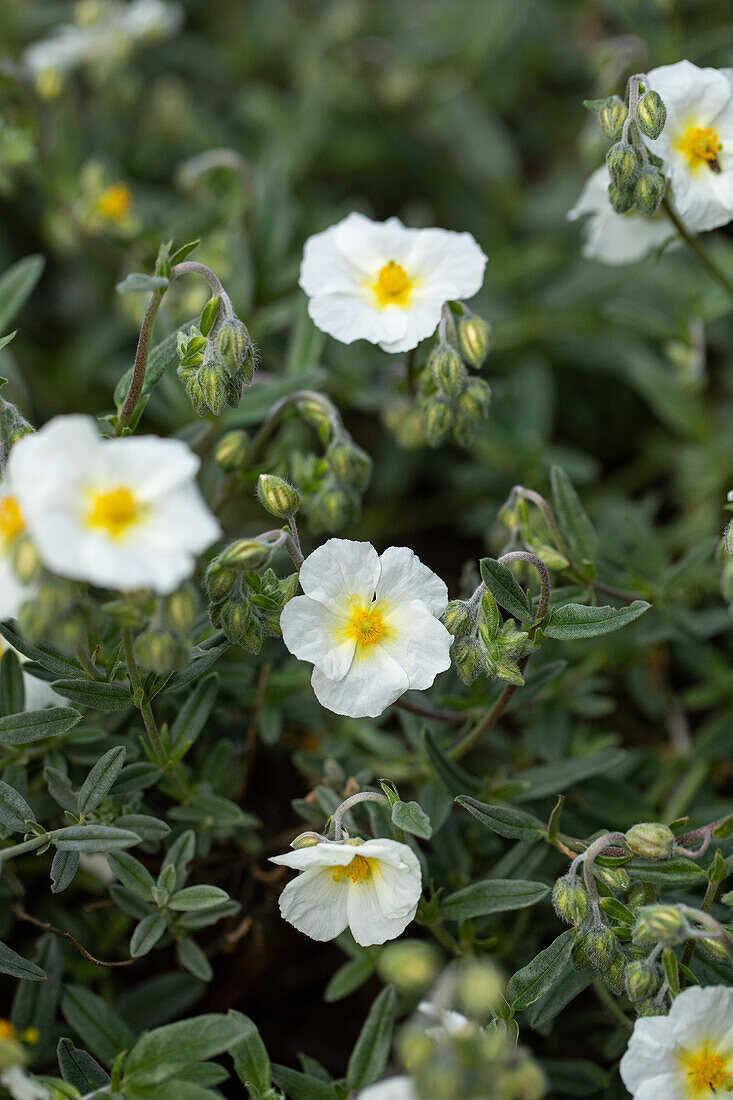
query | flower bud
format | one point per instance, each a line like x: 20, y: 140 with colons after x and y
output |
x: 236, y: 349
x: 238, y: 621
x: 475, y: 400
x: 219, y: 581
x: 245, y: 554
x: 350, y: 464
x: 232, y: 451
x: 600, y: 945
x: 208, y: 315
x: 578, y: 954
x: 447, y: 369
x: 410, y: 965
x: 160, y: 650
x: 456, y: 617
x: 316, y: 413
x: 642, y: 980
x: 623, y: 164
x: 180, y: 609
x: 621, y: 199
x: 660, y: 924
x: 650, y: 840
x: 211, y: 387
x: 651, y: 114
x: 468, y: 657
x: 615, y: 877
x: 331, y: 509
x: 570, y: 899
x: 614, y: 975
x: 306, y: 840
x: 480, y: 988
x: 474, y: 336
x: 612, y: 117
x: 437, y: 420
x: 649, y: 190
x: 277, y: 496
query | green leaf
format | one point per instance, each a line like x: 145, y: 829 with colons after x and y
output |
x: 251, y: 1061
x: 16, y: 285
x: 12, y: 690
x: 5, y: 340
x: 506, y: 589
x: 146, y: 934
x: 194, y: 960
x: 576, y: 528
x: 492, y: 895
x: 299, y: 1086
x: 507, y: 822
x: 132, y: 874
x: 94, y: 838
x: 185, y: 250
x: 371, y: 1051
x: 63, y: 870
x: 36, y: 725
x: 574, y: 1077
x: 203, y: 657
x: 14, y: 810
x: 725, y: 829
x: 411, y: 817
x: 670, y: 872
x: 572, y: 983
x: 146, y: 827
x: 95, y: 694
x: 456, y: 779
x: 194, y: 714
x: 349, y: 977
x: 79, y: 1068
x: 170, y: 1050
x: 51, y: 659
x: 553, y: 778
x: 100, y: 779
x: 17, y: 967
x: 197, y: 897
x: 534, y: 980
x: 577, y: 620
x: 96, y: 1022
x: 139, y: 281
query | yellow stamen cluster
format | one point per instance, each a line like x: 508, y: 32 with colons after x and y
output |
x: 11, y: 518
x: 113, y: 511
x: 115, y: 202
x: 356, y: 871
x: 366, y: 626
x: 392, y: 286
x: 706, y: 1070
x: 701, y: 146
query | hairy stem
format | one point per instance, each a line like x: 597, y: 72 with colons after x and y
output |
x: 335, y: 831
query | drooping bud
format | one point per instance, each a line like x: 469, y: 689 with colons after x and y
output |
x: 277, y: 496
x: 570, y: 899
x: 612, y: 117
x: 180, y: 609
x: 578, y: 954
x: 316, y: 412
x: 475, y: 400
x: 350, y: 464
x: 212, y: 385
x: 245, y: 554
x: 649, y: 190
x: 306, y: 840
x: 650, y: 840
x: 623, y: 164
x: 447, y: 369
x: 474, y: 336
x: 456, y: 617
x: 600, y: 945
x: 232, y: 451
x: 614, y: 975
x: 621, y: 199
x: 332, y: 508
x: 660, y: 924
x: 219, y: 581
x: 239, y: 623
x: 642, y: 980
x: 468, y: 657
x: 651, y: 114
x: 25, y: 559
x: 437, y: 421
x: 236, y: 349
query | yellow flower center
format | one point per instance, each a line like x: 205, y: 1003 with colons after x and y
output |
x: 115, y: 202
x: 705, y: 1070
x: 7, y: 1031
x: 366, y: 626
x: 356, y: 871
x: 392, y: 286
x: 113, y: 511
x: 701, y: 147
x: 11, y: 518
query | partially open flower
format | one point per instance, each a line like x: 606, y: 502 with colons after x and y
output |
x: 383, y: 282
x: 372, y: 888
x: 122, y: 513
x: 686, y: 1055
x: 369, y: 624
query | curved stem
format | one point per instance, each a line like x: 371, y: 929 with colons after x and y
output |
x: 696, y: 247
x: 335, y: 831
x: 266, y: 428
x: 587, y: 858
x: 138, y: 697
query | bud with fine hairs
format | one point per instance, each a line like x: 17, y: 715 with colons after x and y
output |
x: 277, y: 496
x: 612, y: 117
x: 474, y: 335
x: 651, y: 114
x: 623, y: 164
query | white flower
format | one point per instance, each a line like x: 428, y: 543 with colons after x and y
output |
x: 696, y: 143
x: 371, y: 887
x: 686, y: 1055
x: 382, y: 282
x: 394, y: 1088
x: 13, y: 593
x: 613, y: 238
x: 121, y: 513
x: 21, y: 1086
x: 368, y: 624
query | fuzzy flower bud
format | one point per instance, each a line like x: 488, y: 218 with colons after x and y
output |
x: 614, y: 975
x: 456, y: 617
x: 650, y: 840
x: 612, y: 117
x: 570, y: 899
x: 160, y: 650
x: 621, y: 199
x: 623, y: 164
x: 474, y: 337
x: 649, y: 190
x: 642, y: 980
x: 475, y: 400
x: 219, y: 581
x: 651, y: 114
x: 236, y: 349
x: 601, y: 946
x: 350, y: 464
x: 660, y: 924
x: 410, y: 965
x: 437, y: 421
x: 232, y: 451
x: 279, y: 498
x: 180, y: 609
x: 245, y: 554
x: 447, y: 369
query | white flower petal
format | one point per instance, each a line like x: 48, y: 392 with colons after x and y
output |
x: 648, y: 1051
x: 612, y: 238
x: 315, y: 904
x: 314, y: 633
x: 418, y: 642
x: 449, y: 264
x: 704, y: 1013
x: 338, y: 570
x: 13, y: 593
x: 689, y: 93
x: 325, y: 854
x: 394, y: 1088
x: 403, y: 577
x: 350, y: 316
x: 368, y: 922
x: 156, y: 465
x: 397, y: 880
x: 374, y: 680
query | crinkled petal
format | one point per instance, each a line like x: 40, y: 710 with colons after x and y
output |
x: 447, y: 264
x: 398, y: 888
x: 368, y: 922
x: 339, y: 570
x: 349, y: 316
x: 157, y: 466
x: 403, y: 577
x: 690, y: 94
x: 703, y: 1014
x: 374, y: 680
x: 315, y: 904
x: 418, y: 642
x: 325, y: 854
x: 649, y: 1052
x: 312, y: 632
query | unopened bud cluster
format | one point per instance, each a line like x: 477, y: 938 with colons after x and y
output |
x: 165, y: 643
x: 452, y: 401
x: 484, y: 644
x: 217, y: 360
x: 245, y: 604
x: 637, y: 180
x: 331, y: 486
